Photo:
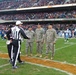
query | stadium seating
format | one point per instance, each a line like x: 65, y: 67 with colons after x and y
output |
x: 14, y: 4
x: 8, y: 4
x: 50, y: 15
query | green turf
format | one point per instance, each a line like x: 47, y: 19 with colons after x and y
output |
x: 27, y: 69
x: 67, y: 54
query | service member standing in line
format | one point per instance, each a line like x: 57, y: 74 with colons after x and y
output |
x: 50, y: 38
x: 39, y: 34
x: 29, y: 42
x: 16, y: 33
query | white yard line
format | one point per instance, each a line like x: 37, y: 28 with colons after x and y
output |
x: 64, y: 62
x: 1, y: 66
x: 41, y: 66
x: 64, y: 47
x: 44, y: 65
x: 50, y: 67
x: 69, y: 43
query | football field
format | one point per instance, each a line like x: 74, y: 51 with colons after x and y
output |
x: 64, y: 52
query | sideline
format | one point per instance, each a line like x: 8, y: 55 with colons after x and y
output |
x: 64, y: 47
x: 50, y: 67
x: 58, y: 65
x: 40, y: 66
x: 4, y: 65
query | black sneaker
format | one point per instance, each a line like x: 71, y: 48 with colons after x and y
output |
x: 14, y: 67
x: 10, y: 61
x: 21, y: 62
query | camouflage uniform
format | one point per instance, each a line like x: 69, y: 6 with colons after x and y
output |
x: 39, y: 39
x: 29, y: 42
x: 50, y: 39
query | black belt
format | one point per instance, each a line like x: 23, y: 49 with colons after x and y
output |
x: 17, y: 39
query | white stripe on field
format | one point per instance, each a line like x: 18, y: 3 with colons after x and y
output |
x: 4, y: 65
x: 1, y: 66
x: 64, y: 62
x: 69, y: 43
x: 61, y: 48
x: 64, y: 47
x: 45, y: 66
x: 50, y: 67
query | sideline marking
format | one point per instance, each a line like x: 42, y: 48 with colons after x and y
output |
x: 61, y: 48
x: 4, y: 65
x: 53, y: 67
x: 64, y: 47
x: 50, y: 67
x: 40, y: 66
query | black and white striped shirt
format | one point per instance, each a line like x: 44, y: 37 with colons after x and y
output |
x: 16, y: 33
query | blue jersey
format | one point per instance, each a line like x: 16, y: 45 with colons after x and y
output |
x: 66, y: 34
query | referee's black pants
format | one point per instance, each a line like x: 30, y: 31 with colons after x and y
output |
x: 16, y: 49
x: 9, y: 47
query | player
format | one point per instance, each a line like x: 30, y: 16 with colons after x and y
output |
x: 66, y: 34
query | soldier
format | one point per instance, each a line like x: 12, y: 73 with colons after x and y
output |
x: 50, y: 40
x: 29, y: 42
x: 39, y: 39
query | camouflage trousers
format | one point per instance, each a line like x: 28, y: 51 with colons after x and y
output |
x: 50, y: 47
x: 29, y: 46
x: 39, y: 47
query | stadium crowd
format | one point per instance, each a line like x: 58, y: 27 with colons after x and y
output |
x: 8, y: 4
x: 48, y: 15
x: 59, y: 28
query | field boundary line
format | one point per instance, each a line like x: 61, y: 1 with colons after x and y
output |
x: 50, y: 67
x: 64, y: 47
x: 1, y: 66
x: 40, y: 66
x: 62, y: 66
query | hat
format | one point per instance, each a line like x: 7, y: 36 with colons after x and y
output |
x: 10, y: 26
x: 18, y: 22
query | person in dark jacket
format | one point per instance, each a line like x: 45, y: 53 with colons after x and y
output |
x: 9, y: 45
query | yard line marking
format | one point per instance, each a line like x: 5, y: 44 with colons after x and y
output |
x: 4, y: 65
x: 64, y: 47
x: 60, y: 48
x: 50, y: 67
x: 53, y: 67
x: 41, y: 66
x: 64, y: 62
x: 69, y: 43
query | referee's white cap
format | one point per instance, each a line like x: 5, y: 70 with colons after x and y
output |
x: 18, y: 23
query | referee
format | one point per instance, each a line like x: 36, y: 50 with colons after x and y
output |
x: 16, y: 33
